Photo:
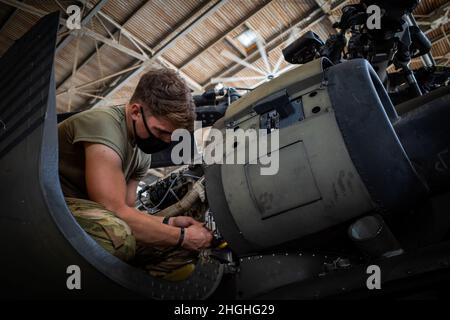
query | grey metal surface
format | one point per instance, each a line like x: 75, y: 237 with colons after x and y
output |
x: 402, y: 276
x: 316, y: 186
x: 261, y: 274
x: 365, y: 114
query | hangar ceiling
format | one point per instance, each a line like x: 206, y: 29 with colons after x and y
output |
x: 206, y: 41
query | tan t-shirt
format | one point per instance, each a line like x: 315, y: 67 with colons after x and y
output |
x: 106, y: 126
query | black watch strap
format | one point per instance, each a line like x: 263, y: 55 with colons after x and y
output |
x: 166, y: 220
x: 181, y: 239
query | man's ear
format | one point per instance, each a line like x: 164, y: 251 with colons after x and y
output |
x: 135, y: 111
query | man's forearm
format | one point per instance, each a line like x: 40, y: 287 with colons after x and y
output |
x: 149, y: 229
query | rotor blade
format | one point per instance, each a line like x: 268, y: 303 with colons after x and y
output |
x: 281, y: 58
x: 279, y: 62
x: 289, y: 67
x: 263, y: 53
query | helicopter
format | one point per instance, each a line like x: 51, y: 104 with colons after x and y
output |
x: 363, y: 181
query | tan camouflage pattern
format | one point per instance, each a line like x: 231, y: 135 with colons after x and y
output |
x: 116, y: 237
x: 110, y: 232
x: 161, y: 262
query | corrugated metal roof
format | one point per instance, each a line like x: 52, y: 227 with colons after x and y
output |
x: 198, y: 52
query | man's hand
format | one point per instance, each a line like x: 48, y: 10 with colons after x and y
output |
x: 196, y: 237
x: 183, y: 222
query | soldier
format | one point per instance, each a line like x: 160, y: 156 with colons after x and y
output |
x: 104, y: 152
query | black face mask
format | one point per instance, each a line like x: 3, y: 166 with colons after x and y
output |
x: 152, y: 144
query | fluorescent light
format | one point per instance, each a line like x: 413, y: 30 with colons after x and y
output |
x: 247, y: 38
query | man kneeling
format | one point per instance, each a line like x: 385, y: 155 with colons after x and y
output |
x: 104, y: 152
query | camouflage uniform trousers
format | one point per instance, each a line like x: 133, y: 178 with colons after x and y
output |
x: 116, y: 237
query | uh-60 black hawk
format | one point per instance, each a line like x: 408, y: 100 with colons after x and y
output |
x: 363, y: 177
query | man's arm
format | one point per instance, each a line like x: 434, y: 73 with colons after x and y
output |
x: 106, y: 185
x: 131, y: 192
